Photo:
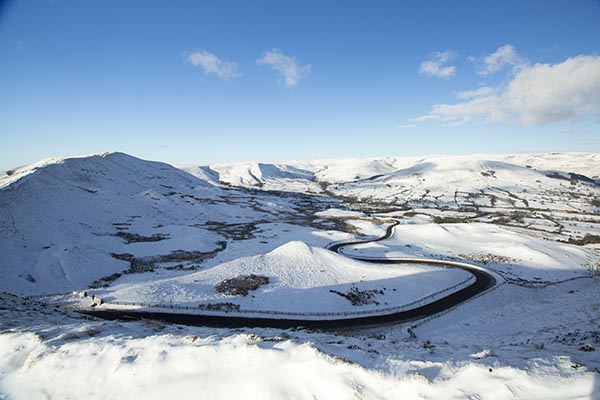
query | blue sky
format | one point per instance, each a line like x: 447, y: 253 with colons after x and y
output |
x: 221, y: 81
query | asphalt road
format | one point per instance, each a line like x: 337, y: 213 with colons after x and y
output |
x: 483, y: 282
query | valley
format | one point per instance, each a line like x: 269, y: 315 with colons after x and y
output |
x: 244, y: 253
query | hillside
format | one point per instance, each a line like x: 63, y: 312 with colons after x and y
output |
x: 68, y: 223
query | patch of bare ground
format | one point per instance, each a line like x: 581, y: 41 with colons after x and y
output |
x: 241, y: 231
x: 360, y: 297
x: 241, y: 285
x: 136, y: 238
x: 587, y: 239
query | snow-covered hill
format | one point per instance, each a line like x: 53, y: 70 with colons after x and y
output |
x: 258, y: 175
x: 353, y: 169
x: 454, y: 182
x: 302, y: 278
x: 65, y: 221
x: 60, y: 218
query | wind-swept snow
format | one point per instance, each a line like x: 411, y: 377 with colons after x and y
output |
x: 151, y: 361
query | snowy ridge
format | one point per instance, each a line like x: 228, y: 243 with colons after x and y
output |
x: 441, y: 180
x: 502, y: 183
x: 351, y: 169
x: 13, y: 175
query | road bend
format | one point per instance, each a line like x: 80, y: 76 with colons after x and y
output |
x: 483, y: 281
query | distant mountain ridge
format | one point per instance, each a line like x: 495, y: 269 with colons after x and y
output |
x: 351, y: 169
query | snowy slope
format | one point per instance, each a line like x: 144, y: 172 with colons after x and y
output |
x: 158, y: 366
x: 486, y: 349
x: 580, y: 163
x: 517, y: 256
x: 258, y: 175
x: 344, y: 170
x: 301, y: 278
x: 255, y: 174
x: 59, y: 218
x: 13, y: 175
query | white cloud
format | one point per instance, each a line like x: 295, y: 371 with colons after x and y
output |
x: 503, y: 57
x: 406, y: 126
x: 426, y: 117
x: 436, y: 66
x: 287, y: 66
x: 536, y: 95
x: 213, y: 65
x: 470, y: 94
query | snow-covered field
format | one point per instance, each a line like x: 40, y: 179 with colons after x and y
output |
x: 238, y: 366
x: 491, y: 348
x: 146, y: 232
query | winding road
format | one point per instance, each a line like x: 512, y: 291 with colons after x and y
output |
x: 483, y: 281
